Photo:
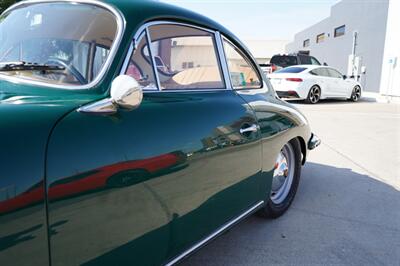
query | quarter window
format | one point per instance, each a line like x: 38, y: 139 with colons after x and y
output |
x: 340, y: 31
x: 185, y: 57
x: 314, y: 61
x: 242, y: 73
x: 139, y: 66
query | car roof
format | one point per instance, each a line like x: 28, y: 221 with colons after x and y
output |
x: 139, y: 12
x: 311, y: 67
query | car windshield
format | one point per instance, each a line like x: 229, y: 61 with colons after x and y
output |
x: 57, y: 43
x: 291, y: 70
x: 284, y: 60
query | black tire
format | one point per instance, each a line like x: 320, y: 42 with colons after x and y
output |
x: 274, y: 210
x: 355, y: 94
x: 314, y: 95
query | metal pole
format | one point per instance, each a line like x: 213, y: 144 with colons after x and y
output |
x: 353, y: 51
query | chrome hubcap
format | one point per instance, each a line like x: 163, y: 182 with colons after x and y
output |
x: 356, y: 93
x: 283, y: 175
x: 315, y: 94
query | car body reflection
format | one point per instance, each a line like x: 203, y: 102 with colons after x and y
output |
x: 111, y: 176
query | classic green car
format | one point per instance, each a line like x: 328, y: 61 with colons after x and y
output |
x: 134, y: 132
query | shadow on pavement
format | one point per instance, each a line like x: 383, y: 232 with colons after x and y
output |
x: 338, y: 217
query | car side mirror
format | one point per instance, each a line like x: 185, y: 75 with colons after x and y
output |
x: 325, y: 64
x: 344, y: 77
x: 126, y: 93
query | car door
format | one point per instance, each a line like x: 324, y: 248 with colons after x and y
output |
x: 321, y: 77
x: 338, y: 83
x: 145, y: 185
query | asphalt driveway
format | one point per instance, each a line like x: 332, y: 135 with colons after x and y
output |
x: 347, y: 208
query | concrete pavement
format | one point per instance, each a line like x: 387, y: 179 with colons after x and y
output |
x: 347, y: 208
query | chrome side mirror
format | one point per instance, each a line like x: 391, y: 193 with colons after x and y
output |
x: 126, y: 93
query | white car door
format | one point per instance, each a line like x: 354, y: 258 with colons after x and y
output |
x: 339, y: 85
x: 323, y: 79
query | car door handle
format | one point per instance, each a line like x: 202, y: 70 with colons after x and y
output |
x: 252, y: 128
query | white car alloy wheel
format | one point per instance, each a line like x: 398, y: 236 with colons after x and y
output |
x: 356, y: 94
x: 314, y: 94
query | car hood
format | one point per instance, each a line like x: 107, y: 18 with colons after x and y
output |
x: 27, y: 116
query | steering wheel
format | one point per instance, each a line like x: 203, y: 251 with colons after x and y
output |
x: 70, y: 68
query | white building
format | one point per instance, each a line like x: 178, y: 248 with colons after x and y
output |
x: 263, y: 50
x: 370, y: 30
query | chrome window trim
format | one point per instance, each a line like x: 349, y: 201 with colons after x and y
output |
x: 215, y: 233
x: 153, y: 60
x: 224, y: 62
x: 121, y: 24
x: 219, y: 53
x: 249, y: 60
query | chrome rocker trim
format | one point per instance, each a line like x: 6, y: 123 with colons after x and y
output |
x: 215, y: 234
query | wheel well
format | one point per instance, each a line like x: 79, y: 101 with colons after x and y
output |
x: 303, y: 149
x: 316, y: 86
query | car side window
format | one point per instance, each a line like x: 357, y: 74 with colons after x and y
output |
x: 243, y: 74
x: 322, y: 72
x: 139, y: 67
x: 314, y: 61
x: 305, y: 60
x: 185, y: 57
x: 334, y: 74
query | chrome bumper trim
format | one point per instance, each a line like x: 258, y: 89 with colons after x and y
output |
x: 314, y: 142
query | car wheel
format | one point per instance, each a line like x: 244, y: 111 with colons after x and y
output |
x: 285, y: 180
x: 356, y: 94
x: 314, y: 95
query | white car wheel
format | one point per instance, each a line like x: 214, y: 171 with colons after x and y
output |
x: 314, y: 95
x: 356, y: 94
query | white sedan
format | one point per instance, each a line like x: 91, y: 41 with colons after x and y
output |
x: 313, y: 83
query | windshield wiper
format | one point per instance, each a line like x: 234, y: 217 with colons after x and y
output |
x: 26, y: 66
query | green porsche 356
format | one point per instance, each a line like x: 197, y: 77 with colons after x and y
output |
x: 133, y: 132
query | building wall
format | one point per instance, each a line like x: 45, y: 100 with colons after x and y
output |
x: 263, y: 50
x: 369, y: 19
x: 390, y: 77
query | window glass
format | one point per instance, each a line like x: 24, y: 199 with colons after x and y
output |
x: 340, y: 31
x: 305, y: 60
x: 74, y: 37
x: 334, y: 73
x: 185, y: 57
x: 243, y: 75
x: 320, y: 72
x: 306, y: 43
x: 314, y: 61
x: 320, y: 37
x: 139, y: 67
x: 291, y: 70
x: 284, y: 60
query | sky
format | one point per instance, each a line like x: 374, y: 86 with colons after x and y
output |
x: 261, y: 19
